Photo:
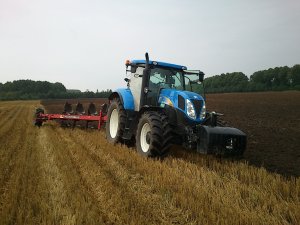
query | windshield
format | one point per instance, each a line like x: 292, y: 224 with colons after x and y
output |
x: 174, y: 79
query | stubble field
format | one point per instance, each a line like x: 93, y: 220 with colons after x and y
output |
x: 54, y: 175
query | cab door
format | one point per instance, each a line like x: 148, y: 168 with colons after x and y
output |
x: 135, y: 86
x: 157, y: 81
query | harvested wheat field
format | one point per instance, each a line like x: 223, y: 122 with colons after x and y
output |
x: 52, y: 175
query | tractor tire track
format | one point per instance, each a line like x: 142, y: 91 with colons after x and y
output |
x: 17, y: 174
x: 6, y: 112
x: 134, y: 187
x: 70, y: 201
x: 8, y: 123
x: 175, y: 174
x: 11, y: 144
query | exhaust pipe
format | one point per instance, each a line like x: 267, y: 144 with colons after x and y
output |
x: 145, y: 82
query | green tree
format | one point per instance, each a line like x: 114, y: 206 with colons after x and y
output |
x: 295, y: 75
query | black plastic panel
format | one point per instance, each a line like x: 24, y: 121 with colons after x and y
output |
x: 181, y: 102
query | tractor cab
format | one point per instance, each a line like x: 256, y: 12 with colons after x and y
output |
x: 148, y: 81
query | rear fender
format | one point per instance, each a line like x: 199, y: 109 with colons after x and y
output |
x: 126, y: 97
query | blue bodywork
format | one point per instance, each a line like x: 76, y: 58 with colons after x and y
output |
x: 166, y: 97
x: 126, y: 97
x: 164, y: 64
x: 170, y: 97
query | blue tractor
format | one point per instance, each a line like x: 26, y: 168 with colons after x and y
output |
x: 164, y: 104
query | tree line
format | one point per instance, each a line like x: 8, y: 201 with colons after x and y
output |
x: 29, y: 89
x: 273, y: 79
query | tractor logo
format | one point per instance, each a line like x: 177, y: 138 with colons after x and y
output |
x: 165, y: 101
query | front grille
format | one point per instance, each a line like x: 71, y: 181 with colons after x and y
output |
x: 198, y: 106
x: 181, y: 102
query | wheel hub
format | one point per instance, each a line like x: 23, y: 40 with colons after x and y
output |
x: 114, y: 123
x: 145, y: 137
x: 148, y: 138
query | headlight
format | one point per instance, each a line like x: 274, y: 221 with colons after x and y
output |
x: 203, y: 111
x: 190, y: 109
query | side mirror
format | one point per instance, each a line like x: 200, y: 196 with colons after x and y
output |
x: 133, y: 69
x: 201, y: 76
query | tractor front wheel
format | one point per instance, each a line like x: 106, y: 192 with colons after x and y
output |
x: 116, y: 118
x: 150, y: 137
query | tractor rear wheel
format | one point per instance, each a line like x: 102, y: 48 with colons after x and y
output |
x: 116, y: 118
x: 153, y: 135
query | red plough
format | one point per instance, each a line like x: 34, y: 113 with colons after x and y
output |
x: 69, y: 116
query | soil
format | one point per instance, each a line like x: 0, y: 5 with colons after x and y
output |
x: 271, y: 121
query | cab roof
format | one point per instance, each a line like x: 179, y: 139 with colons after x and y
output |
x: 163, y: 64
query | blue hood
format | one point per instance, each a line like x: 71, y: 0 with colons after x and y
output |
x: 172, y: 94
x: 170, y: 97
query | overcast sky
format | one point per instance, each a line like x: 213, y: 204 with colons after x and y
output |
x: 84, y: 44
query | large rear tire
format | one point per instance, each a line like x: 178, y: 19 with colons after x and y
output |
x: 116, y: 118
x: 153, y: 135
